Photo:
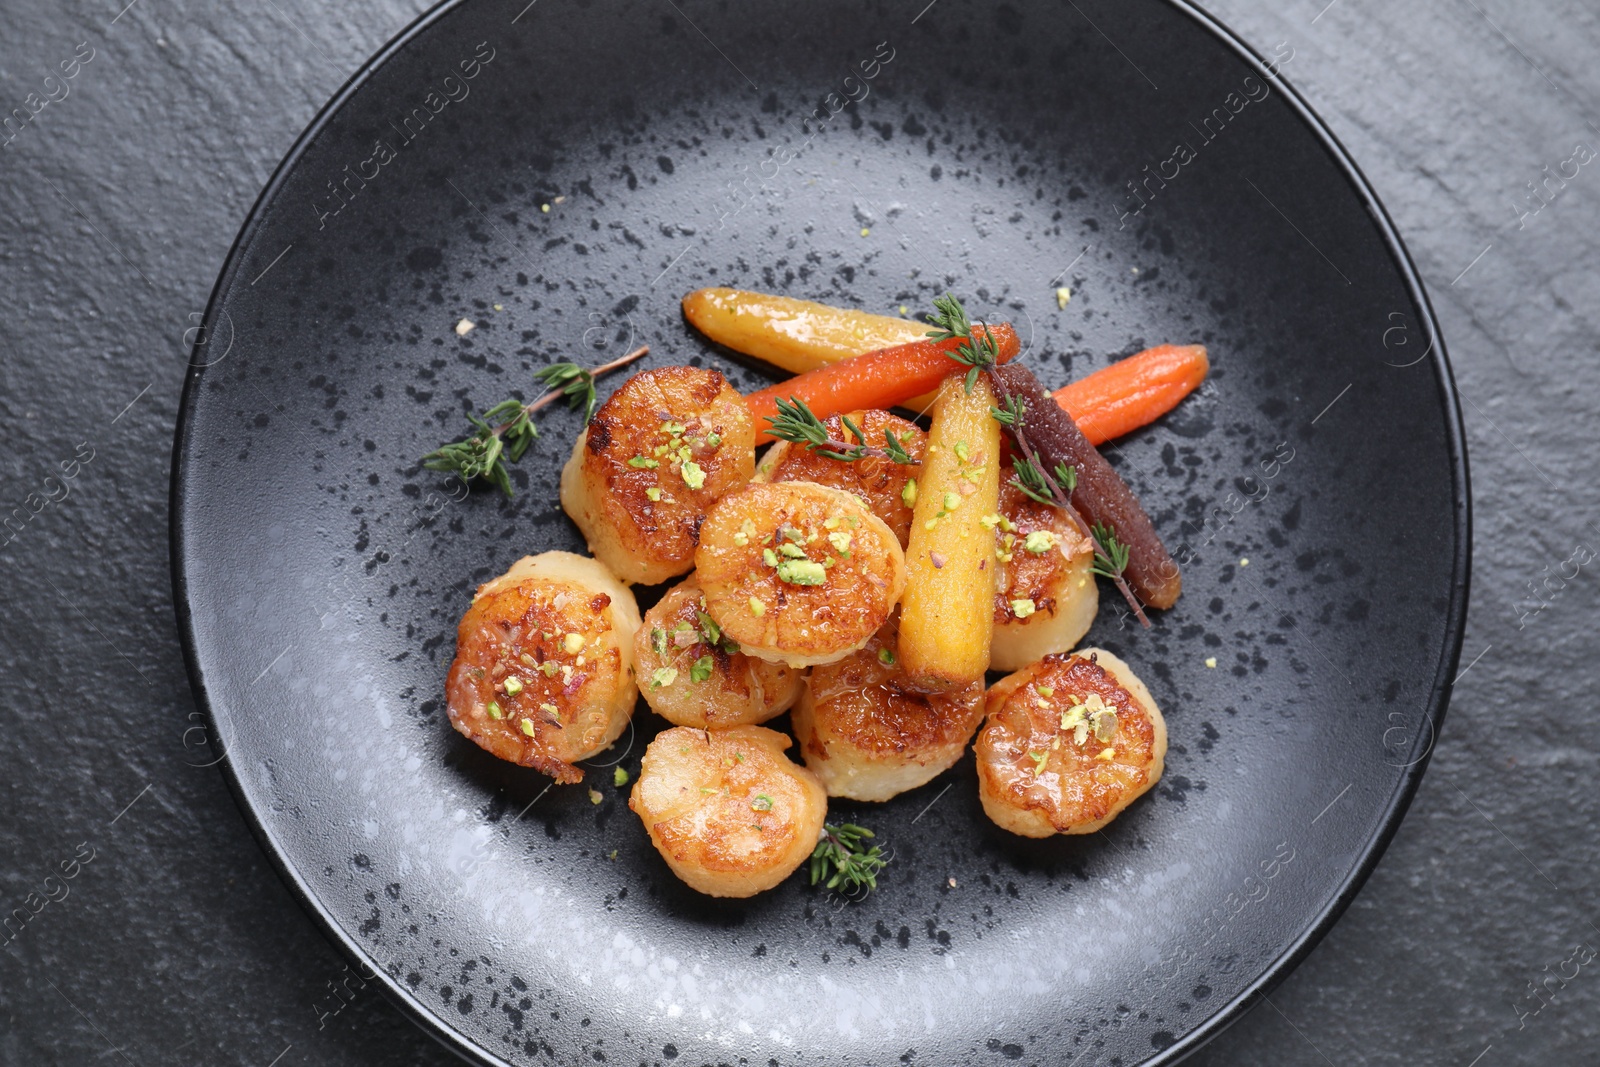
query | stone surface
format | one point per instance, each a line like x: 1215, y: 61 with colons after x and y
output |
x: 176, y: 943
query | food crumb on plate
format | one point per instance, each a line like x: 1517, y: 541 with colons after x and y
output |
x: 1244, y: 562
x: 952, y: 883
x: 866, y: 231
x: 1063, y: 294
x: 464, y: 327
x: 1211, y: 662
x: 595, y: 797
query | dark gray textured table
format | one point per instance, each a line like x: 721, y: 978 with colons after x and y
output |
x: 175, y: 943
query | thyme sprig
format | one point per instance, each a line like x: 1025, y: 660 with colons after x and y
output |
x: 977, y: 354
x: 505, y: 431
x: 842, y: 859
x: 1112, y: 559
x: 1111, y: 555
x: 796, y: 423
x: 1037, y: 485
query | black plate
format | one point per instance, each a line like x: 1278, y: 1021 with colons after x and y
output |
x: 320, y: 571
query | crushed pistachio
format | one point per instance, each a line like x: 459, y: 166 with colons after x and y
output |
x: 528, y: 661
x: 762, y: 802
x: 769, y: 557
x: 802, y: 572
x: 701, y: 671
x: 1039, y: 541
x: 643, y: 463
x: 741, y: 539
x: 991, y: 520
x: 886, y: 657
x: 549, y: 667
x: 961, y: 451
x: 527, y: 727
x: 952, y: 501
x: 757, y: 608
x: 672, y: 429
x: 551, y: 710
x: 1022, y: 608
x: 572, y: 644
x: 908, y: 493
x: 653, y: 493
x: 1105, y: 724
x: 594, y: 796
x: 619, y: 777
x: 513, y: 685
x: 693, y: 476
x: 1045, y: 690
x: 663, y: 676
x: 1107, y: 754
x: 1039, y: 759
x: 713, y: 439
x: 840, y: 540
x: 791, y: 551
x: 494, y: 711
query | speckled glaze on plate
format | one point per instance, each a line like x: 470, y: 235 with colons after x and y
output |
x: 559, y: 174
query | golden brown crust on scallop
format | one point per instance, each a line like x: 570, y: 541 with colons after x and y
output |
x: 691, y: 680
x: 1070, y: 742
x: 868, y: 736
x: 542, y: 675
x: 797, y: 572
x: 728, y: 811
x: 655, y: 457
x: 880, y: 482
x: 1047, y: 597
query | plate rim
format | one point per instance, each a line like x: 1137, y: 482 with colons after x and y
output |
x: 1390, y: 816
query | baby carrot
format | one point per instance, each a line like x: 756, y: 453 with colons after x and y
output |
x: 1133, y: 392
x: 878, y: 379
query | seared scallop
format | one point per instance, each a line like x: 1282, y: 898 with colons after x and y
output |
x: 543, y: 674
x: 694, y: 675
x: 889, y: 488
x: 728, y: 811
x: 798, y: 573
x: 868, y: 736
x: 1047, y: 596
x: 655, y: 457
x: 1070, y: 742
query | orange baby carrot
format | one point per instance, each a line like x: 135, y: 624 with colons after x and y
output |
x: 1133, y: 392
x: 879, y: 379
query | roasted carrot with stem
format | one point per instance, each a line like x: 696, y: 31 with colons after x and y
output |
x: 878, y: 379
x: 1133, y: 392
